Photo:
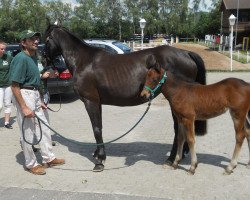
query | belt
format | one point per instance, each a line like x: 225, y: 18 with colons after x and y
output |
x: 29, y: 87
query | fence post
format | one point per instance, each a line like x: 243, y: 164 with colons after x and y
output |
x: 247, y: 56
x: 238, y: 55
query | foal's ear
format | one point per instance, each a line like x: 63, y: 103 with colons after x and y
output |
x: 157, y: 67
x: 150, y: 62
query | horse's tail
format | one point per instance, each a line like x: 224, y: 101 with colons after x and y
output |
x: 201, y: 70
x: 200, y: 126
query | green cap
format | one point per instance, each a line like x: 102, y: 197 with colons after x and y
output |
x: 29, y: 34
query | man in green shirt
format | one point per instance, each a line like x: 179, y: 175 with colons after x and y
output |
x: 5, y: 90
x: 25, y: 79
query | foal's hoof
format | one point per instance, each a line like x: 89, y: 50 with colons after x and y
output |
x: 227, y: 172
x: 98, y: 168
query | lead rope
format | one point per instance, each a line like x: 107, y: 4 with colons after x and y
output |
x: 81, y: 143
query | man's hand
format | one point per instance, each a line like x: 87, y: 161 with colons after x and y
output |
x: 43, y: 106
x: 27, y: 112
x: 54, y: 74
x: 45, y: 75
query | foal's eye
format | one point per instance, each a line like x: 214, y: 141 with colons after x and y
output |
x: 155, y: 80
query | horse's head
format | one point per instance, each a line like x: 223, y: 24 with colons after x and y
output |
x: 52, y: 48
x: 155, y: 77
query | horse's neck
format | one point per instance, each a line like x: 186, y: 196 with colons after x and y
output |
x: 73, y: 50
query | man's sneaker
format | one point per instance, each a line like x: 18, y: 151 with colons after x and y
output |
x: 54, y: 162
x: 37, y: 170
x: 35, y: 149
x: 8, y: 126
x: 53, y: 143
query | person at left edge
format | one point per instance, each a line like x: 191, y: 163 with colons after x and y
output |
x: 5, y: 90
x: 25, y: 79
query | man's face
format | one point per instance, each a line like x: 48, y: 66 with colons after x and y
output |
x: 2, y: 49
x: 31, y: 44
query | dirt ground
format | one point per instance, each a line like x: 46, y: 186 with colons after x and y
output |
x: 213, y: 59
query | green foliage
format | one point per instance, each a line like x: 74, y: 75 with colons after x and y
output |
x: 117, y: 19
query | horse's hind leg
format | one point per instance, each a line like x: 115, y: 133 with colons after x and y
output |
x: 240, y: 133
x: 95, y: 115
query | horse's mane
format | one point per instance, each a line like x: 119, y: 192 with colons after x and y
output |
x: 51, y: 27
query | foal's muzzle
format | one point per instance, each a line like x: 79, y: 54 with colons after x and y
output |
x: 145, y: 94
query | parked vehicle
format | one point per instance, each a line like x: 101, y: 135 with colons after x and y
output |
x: 112, y: 46
x: 59, y: 85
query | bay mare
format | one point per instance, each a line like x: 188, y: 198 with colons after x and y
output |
x: 192, y: 101
x: 104, y: 78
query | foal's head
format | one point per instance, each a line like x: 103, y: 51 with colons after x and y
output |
x: 154, y: 79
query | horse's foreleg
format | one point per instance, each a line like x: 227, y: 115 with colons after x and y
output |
x: 95, y: 114
x: 240, y: 136
x: 173, y: 152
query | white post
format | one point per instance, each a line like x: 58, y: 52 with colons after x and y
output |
x: 247, y: 57
x: 231, y: 48
x: 142, y: 39
x: 231, y: 22
x: 238, y: 55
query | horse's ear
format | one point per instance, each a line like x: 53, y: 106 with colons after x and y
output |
x: 58, y: 22
x: 150, y: 62
x: 48, y: 21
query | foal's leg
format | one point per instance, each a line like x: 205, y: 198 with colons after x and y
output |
x: 180, y: 143
x: 95, y: 115
x: 173, y: 152
x: 248, y: 141
x: 189, y: 124
x: 240, y: 133
x: 247, y: 129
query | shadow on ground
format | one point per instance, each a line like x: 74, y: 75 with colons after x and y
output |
x: 133, y: 153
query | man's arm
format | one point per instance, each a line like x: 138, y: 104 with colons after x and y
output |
x: 27, y: 112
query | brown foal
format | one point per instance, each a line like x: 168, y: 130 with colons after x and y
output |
x: 191, y: 101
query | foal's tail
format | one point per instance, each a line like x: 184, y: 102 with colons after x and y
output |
x: 200, y: 126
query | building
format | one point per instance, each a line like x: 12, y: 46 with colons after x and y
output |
x: 240, y: 8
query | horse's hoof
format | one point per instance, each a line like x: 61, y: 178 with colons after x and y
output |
x: 191, y: 172
x: 98, y: 168
x: 174, y: 166
x: 168, y: 162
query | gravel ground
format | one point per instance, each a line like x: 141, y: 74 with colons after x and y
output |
x: 213, y: 60
x: 133, y: 169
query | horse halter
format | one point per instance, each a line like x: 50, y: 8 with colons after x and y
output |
x: 161, y: 82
